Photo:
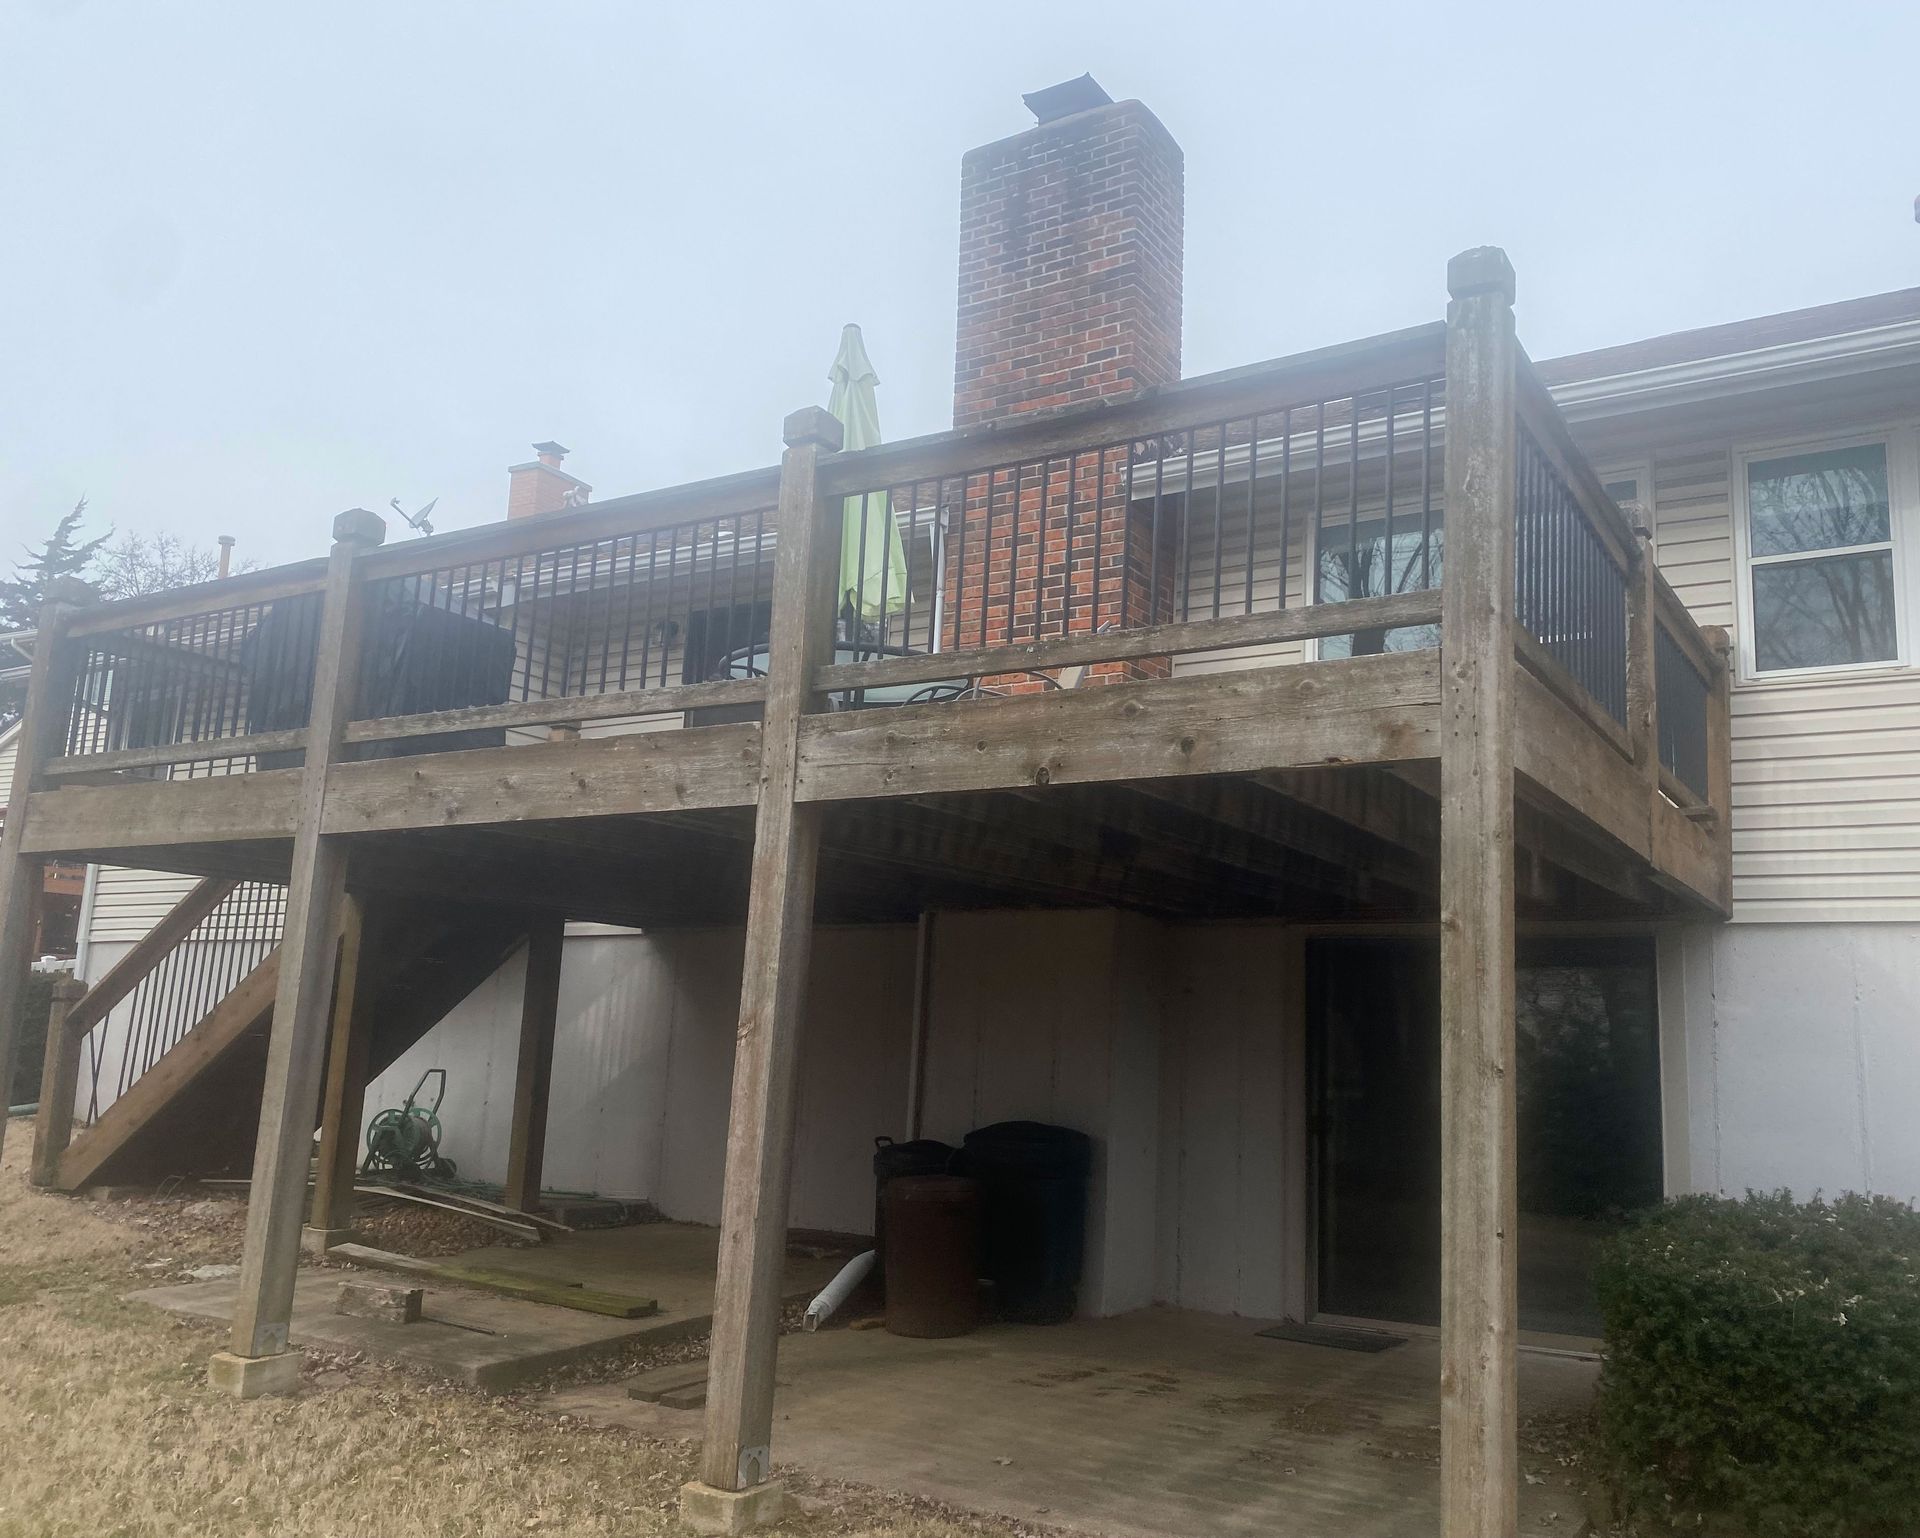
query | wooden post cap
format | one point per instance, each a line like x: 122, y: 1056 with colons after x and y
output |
x: 1483, y: 270
x: 813, y: 424
x: 71, y: 592
x: 69, y: 989
x: 357, y: 526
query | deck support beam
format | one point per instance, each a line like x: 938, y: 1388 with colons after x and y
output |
x: 316, y: 903
x: 59, y: 1084
x: 533, y: 1075
x: 1479, y: 1454
x: 43, y: 729
x: 343, y: 1100
x: 786, y: 848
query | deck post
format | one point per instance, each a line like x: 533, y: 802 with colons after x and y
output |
x: 1643, y: 694
x: 533, y: 1076
x: 258, y: 1361
x: 43, y: 727
x: 734, y: 1491
x: 1479, y: 1454
x: 343, y: 1099
x: 59, y: 1083
x: 1720, y: 754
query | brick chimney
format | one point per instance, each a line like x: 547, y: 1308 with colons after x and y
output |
x: 1071, y: 238
x: 1071, y: 242
x: 541, y: 486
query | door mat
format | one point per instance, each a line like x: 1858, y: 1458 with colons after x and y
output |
x: 1337, y: 1336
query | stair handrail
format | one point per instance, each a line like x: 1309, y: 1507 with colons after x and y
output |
x: 71, y: 1020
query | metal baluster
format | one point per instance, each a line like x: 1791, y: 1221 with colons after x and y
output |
x: 1320, y: 501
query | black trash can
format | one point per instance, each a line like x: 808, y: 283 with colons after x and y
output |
x: 920, y: 1156
x: 1033, y: 1184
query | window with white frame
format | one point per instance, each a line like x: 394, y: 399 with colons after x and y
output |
x: 1818, y: 531
x: 1631, y: 487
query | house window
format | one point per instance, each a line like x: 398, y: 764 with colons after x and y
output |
x: 1363, y: 567
x: 1820, y: 557
x: 1632, y: 492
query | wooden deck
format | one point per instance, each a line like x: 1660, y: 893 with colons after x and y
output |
x: 668, y: 710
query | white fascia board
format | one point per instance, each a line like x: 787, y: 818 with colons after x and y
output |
x: 1765, y: 368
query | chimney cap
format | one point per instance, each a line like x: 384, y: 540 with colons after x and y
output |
x: 558, y: 450
x: 1066, y: 99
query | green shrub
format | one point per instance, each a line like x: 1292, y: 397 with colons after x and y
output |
x: 1763, y: 1366
x: 30, y: 1024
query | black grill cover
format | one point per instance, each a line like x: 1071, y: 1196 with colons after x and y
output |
x: 419, y: 658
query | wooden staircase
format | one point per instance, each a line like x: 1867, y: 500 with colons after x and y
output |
x: 194, y: 1111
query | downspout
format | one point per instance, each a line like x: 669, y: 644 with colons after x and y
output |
x: 922, y: 1018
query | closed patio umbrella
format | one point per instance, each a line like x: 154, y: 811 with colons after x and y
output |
x: 873, y: 569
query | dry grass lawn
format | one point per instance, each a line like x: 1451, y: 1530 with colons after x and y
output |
x: 109, y: 1432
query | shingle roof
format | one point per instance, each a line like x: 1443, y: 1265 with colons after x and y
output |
x: 1739, y: 336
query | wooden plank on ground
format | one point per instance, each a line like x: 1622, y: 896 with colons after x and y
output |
x: 461, y: 1198
x: 514, y: 1226
x: 586, y: 1300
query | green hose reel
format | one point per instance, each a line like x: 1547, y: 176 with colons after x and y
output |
x: 405, y: 1140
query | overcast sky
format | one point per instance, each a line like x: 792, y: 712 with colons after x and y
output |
x: 262, y: 262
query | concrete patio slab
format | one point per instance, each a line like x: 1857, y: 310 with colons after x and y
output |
x: 1152, y: 1423
x: 496, y: 1342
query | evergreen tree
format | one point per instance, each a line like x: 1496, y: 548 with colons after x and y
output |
x: 64, y: 554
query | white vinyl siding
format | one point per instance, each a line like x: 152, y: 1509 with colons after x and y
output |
x: 9, y: 747
x: 1826, y: 769
x: 127, y: 903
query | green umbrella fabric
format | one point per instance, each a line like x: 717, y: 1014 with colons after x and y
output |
x: 876, y: 585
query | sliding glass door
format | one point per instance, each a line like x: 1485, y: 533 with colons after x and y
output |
x: 1589, y: 1120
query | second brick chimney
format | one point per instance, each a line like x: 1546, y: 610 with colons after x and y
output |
x: 1071, y: 243
x: 541, y: 486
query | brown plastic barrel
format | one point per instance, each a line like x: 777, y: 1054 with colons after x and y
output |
x: 932, y: 1260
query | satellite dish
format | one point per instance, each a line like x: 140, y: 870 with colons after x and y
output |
x: 419, y: 522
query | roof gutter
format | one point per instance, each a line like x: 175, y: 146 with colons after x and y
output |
x: 20, y: 643
x: 1765, y: 368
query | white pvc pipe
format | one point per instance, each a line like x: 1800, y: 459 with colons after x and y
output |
x: 837, y: 1291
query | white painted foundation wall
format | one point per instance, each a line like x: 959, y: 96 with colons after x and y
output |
x: 1791, y: 1056
x: 1170, y: 1045
x: 1795, y: 1052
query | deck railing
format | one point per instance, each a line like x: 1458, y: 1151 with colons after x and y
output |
x: 625, y: 623
x: 615, y: 612
x: 1690, y: 708
x: 192, y: 689
x: 1307, y: 501
x: 1570, y: 581
x: 1242, y: 515
x: 1213, y: 516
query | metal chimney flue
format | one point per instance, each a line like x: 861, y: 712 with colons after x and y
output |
x: 1066, y: 99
